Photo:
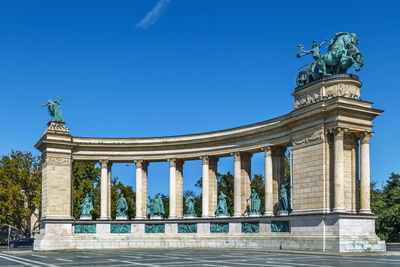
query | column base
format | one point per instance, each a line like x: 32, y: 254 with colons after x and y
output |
x: 268, y: 214
x: 104, y: 218
x: 365, y: 211
x: 172, y: 217
x: 339, y: 210
x: 140, y: 218
x: 237, y: 215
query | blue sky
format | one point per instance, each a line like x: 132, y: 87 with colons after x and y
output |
x: 193, y: 66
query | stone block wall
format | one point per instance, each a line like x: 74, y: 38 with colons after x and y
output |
x: 308, y: 177
x: 57, y: 186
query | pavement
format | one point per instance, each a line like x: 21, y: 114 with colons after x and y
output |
x: 188, y: 257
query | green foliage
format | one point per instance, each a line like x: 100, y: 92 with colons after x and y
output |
x: 86, y: 180
x: 165, y: 200
x: 20, y: 189
x: 116, y: 189
x: 386, y: 204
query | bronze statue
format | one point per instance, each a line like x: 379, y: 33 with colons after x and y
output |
x: 53, y: 106
x: 342, y: 54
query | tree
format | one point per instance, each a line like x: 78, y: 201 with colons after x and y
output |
x: 165, y: 200
x: 116, y: 189
x: 386, y: 204
x: 20, y: 189
x: 86, y: 180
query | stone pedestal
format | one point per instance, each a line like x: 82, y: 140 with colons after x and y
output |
x: 283, y: 213
x: 122, y: 218
x: 155, y: 218
x: 341, y: 85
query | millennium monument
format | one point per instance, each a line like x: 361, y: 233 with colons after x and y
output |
x: 329, y: 131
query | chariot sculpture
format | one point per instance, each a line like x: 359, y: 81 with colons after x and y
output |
x: 342, y: 54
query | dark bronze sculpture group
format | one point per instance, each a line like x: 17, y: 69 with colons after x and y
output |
x: 342, y: 54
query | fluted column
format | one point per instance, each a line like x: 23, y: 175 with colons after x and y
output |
x: 205, y: 188
x: 172, y: 188
x: 339, y: 170
x: 139, y: 190
x: 145, y: 165
x: 245, y: 177
x: 104, y: 190
x: 237, y: 186
x: 213, y: 194
x: 179, y: 188
x: 365, y: 173
x: 109, y: 190
x: 269, y: 205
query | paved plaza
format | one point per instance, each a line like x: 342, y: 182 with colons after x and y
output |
x: 189, y: 258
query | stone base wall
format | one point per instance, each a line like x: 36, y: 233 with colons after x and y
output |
x: 329, y: 233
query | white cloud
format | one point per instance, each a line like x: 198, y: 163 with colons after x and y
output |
x: 154, y: 15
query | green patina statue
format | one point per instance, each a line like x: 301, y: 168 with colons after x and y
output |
x: 283, y: 200
x: 122, y: 207
x: 342, y: 54
x: 190, y: 206
x: 156, y: 206
x: 222, y: 208
x: 255, y: 203
x: 53, y: 107
x: 86, y: 207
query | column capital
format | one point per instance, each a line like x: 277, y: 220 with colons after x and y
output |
x: 267, y: 150
x: 205, y: 159
x: 145, y: 164
x: 364, y: 136
x: 139, y: 163
x: 104, y: 163
x: 236, y: 155
x: 338, y: 132
x: 172, y: 162
x: 179, y: 163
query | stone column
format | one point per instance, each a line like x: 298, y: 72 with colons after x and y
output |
x: 179, y: 188
x: 205, y: 188
x: 172, y: 188
x: 104, y: 191
x: 109, y: 190
x: 237, y: 186
x: 278, y: 172
x: 339, y: 170
x: 145, y: 165
x: 365, y: 173
x: 269, y: 205
x: 139, y: 190
x: 245, y: 176
x: 213, y: 194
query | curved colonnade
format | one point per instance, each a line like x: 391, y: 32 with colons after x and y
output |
x: 329, y: 131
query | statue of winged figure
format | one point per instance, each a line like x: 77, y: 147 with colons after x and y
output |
x: 53, y: 107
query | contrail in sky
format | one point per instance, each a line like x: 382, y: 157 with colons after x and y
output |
x: 154, y: 15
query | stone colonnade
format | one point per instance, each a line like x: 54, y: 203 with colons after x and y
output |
x: 329, y: 131
x: 274, y: 172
